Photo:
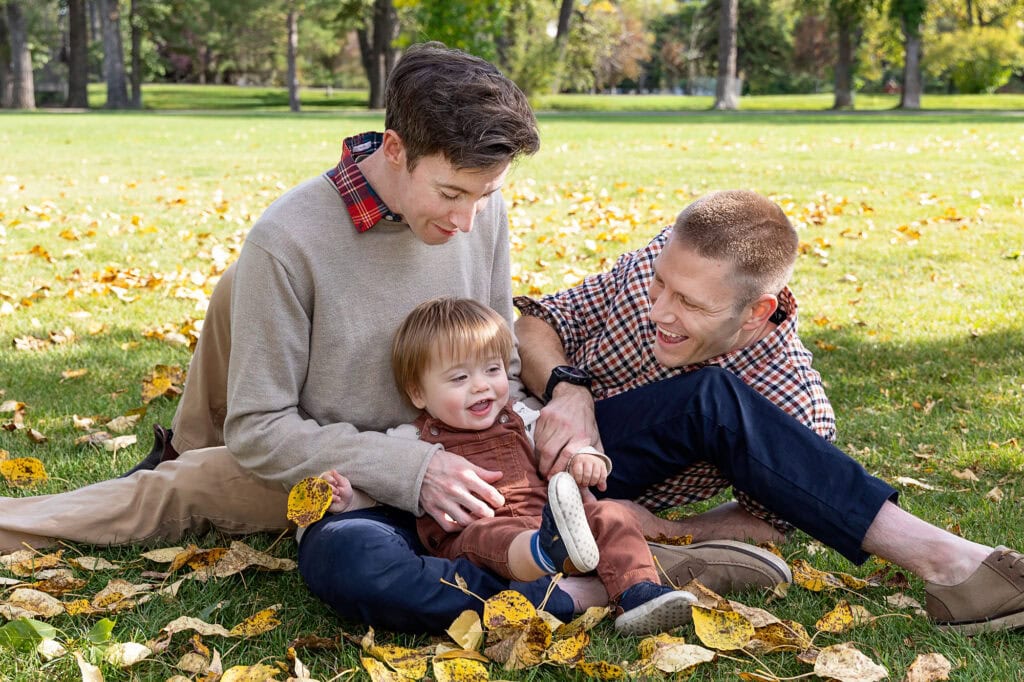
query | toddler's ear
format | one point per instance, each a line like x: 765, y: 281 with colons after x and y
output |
x: 416, y: 396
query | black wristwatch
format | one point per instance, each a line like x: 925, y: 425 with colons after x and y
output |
x: 570, y: 374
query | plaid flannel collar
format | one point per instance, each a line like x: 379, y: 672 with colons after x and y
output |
x: 365, y: 207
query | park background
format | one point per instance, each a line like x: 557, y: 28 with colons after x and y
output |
x: 115, y: 225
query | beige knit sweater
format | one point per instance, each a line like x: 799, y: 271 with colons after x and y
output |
x: 315, y: 305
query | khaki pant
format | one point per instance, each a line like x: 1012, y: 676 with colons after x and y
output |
x: 205, y: 488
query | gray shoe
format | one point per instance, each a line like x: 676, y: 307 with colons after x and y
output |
x: 660, y: 614
x: 565, y: 533
x: 724, y: 566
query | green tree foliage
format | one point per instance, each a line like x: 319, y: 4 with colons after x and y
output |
x: 475, y: 26
x: 977, y: 59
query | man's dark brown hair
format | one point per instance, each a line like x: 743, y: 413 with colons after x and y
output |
x: 445, y: 101
x: 745, y: 229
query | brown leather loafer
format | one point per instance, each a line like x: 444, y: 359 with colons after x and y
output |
x: 724, y: 566
x: 991, y: 599
x: 162, y: 451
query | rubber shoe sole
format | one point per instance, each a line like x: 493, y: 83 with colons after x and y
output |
x: 724, y: 566
x: 571, y: 520
x: 661, y: 614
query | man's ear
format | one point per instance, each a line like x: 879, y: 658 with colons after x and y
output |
x: 393, y: 148
x: 416, y: 397
x: 760, y: 310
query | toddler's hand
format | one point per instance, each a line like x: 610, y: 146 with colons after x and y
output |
x: 588, y: 470
x: 341, y: 491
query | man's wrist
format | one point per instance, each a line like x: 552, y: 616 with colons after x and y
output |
x: 566, y: 374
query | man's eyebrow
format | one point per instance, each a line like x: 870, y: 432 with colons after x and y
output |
x: 463, y: 190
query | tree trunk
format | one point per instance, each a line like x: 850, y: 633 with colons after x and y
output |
x: 910, y: 98
x: 376, y: 53
x: 561, y: 41
x: 78, y: 55
x: 23, y: 95
x: 135, y: 22
x: 293, y: 48
x: 6, y: 77
x: 970, y: 13
x: 113, y: 56
x: 844, y: 65
x: 725, y: 89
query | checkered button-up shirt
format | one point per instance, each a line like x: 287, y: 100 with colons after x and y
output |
x: 605, y: 327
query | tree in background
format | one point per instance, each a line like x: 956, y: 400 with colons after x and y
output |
x: 6, y: 74
x: 973, y: 46
x: 846, y: 16
x: 78, y: 55
x: 113, y: 55
x: 22, y: 82
x: 910, y: 15
x: 726, y: 97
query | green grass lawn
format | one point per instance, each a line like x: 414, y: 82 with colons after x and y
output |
x: 909, y: 285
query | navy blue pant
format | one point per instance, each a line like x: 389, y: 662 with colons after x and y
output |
x: 369, y: 566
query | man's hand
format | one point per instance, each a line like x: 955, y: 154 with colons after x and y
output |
x: 455, y: 491
x: 565, y: 425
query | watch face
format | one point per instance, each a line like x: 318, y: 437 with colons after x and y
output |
x: 572, y: 373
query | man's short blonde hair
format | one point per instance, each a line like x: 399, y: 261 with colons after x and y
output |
x: 747, y: 230
x: 447, y: 330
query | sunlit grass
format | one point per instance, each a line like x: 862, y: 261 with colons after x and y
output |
x: 909, y: 290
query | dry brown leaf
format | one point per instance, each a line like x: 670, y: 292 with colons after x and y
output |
x: 181, y: 624
x: 308, y: 501
x: 118, y: 595
x: 759, y: 618
x: 241, y: 556
x: 59, y: 585
x: 786, y: 635
x: 601, y: 670
x: 49, y: 649
x: 25, y: 600
x: 126, y: 654
x: 250, y: 673
x: 648, y: 645
x: 583, y: 622
x: 73, y: 374
x: 27, y: 562
x: 467, y: 631
x: 508, y: 609
x: 530, y: 645
x: 82, y: 423
x: 91, y: 563
x: 164, y: 380
x: 843, y: 617
x: 258, y: 623
x: 119, y: 442
x: 909, y: 482
x: 568, y: 650
x: 994, y: 495
x: 966, y: 475
x: 124, y: 423
x: 845, y: 663
x: 90, y: 673
x: 459, y: 670
x: 902, y: 601
x: 164, y: 555
x: 677, y: 658
x: 381, y: 673
x: 810, y: 578
x: 719, y: 629
x: 23, y: 471
x: 928, y: 668
x: 36, y: 436
x: 94, y: 438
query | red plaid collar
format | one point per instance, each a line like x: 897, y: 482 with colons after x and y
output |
x: 365, y: 207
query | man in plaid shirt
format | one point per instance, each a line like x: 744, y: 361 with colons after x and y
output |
x: 683, y: 366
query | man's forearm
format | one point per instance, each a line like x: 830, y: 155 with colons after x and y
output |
x: 540, y: 351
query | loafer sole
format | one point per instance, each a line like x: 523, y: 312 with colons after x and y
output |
x: 1010, y: 621
x: 571, y: 520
